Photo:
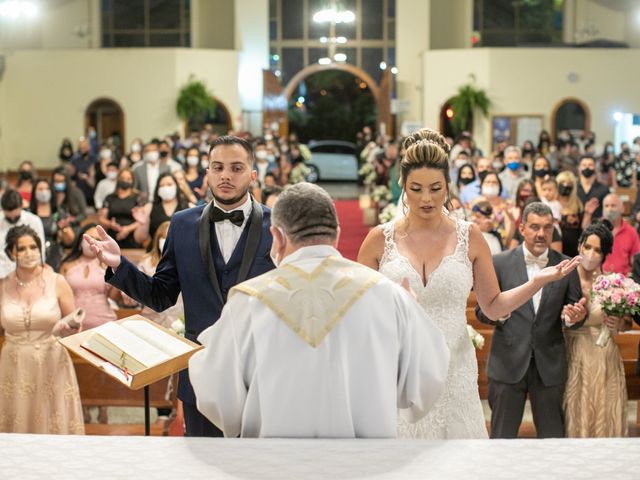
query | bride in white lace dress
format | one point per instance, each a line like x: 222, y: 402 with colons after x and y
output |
x: 442, y: 258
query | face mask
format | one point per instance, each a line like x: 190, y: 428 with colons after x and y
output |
x: 565, y: 190
x: 466, y: 181
x: 106, y: 154
x: 164, y: 154
x: 587, y: 172
x: 490, y: 190
x: 271, y: 158
x: 609, y: 149
x: 192, y: 160
x: 204, y: 164
x: 86, y: 249
x: 167, y: 193
x: 136, y: 147
x: 513, y: 166
x: 112, y: 175
x: 29, y: 261
x: 180, y: 158
x: 497, y: 166
x: 24, y: 175
x: 161, y: 243
x: 59, y: 187
x: 541, y: 172
x: 123, y: 185
x: 43, y: 196
x: 152, y: 157
x: 261, y: 155
x: 13, y: 220
x: 460, y: 162
x: 268, y: 137
x: 611, y: 215
x: 590, y: 262
x: 482, y: 174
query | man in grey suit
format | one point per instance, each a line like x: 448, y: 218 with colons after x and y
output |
x: 527, y: 348
x: 146, y: 172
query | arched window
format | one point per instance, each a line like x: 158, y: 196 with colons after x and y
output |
x: 107, y: 117
x: 570, y: 114
x: 446, y: 116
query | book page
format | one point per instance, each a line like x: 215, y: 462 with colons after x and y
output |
x: 131, y: 344
x: 156, y: 337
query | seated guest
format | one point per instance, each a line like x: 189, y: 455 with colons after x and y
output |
x: 116, y: 214
x: 167, y: 200
x: 11, y: 216
x: 317, y: 307
x: 70, y: 202
x: 595, y: 398
x: 626, y: 243
x: 107, y: 185
x: 37, y: 379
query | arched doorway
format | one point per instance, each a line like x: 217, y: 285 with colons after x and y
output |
x: 446, y: 117
x: 276, y: 97
x: 220, y: 121
x: 570, y: 114
x: 107, y: 117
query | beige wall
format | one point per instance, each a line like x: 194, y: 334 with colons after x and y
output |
x: 44, y: 94
x: 532, y: 81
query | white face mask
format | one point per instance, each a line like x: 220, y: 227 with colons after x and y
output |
x: 86, y: 249
x: 590, y: 262
x: 29, y: 261
x: 112, y: 175
x: 490, y: 190
x: 204, y: 164
x: 43, y: 196
x: 167, y: 192
x: 262, y: 154
x: 192, y: 160
x: 460, y: 162
x: 136, y: 147
x: 106, y: 154
x: 161, y: 243
x: 152, y: 157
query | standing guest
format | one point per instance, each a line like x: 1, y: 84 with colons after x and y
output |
x: 167, y: 200
x: 318, y: 383
x: 116, y: 214
x: 549, y: 196
x: 607, y: 166
x: 146, y: 173
x: 209, y: 249
x: 590, y: 191
x: 491, y: 189
x: 466, y: 175
x: 514, y: 172
x: 184, y: 187
x: 626, y: 243
x: 13, y: 215
x: 482, y: 217
x: 43, y: 205
x: 527, y: 348
x: 626, y: 169
x: 37, y: 379
x: 105, y: 157
x: 70, y: 203
x: 572, y: 216
x: 164, y: 149
x: 526, y: 191
x: 66, y: 151
x: 83, y: 167
x: 472, y: 191
x: 24, y: 185
x: 194, y: 175
x: 541, y: 171
x: 107, y: 185
x: 595, y: 400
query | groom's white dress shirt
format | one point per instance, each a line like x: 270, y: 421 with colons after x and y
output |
x: 323, y: 362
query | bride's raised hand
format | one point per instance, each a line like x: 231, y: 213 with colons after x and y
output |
x: 557, y: 272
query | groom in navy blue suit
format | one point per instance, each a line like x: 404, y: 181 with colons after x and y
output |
x: 208, y: 250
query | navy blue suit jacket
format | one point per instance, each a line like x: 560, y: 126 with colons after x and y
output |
x: 182, y: 269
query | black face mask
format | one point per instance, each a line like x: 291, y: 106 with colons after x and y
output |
x: 122, y: 185
x: 565, y: 190
x: 466, y: 181
x: 482, y: 174
x: 164, y: 154
x: 24, y: 175
x: 12, y: 220
x: 541, y: 172
x: 587, y: 172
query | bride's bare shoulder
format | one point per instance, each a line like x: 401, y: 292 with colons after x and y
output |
x: 372, y: 248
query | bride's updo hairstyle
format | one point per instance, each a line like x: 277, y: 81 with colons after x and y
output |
x: 425, y: 148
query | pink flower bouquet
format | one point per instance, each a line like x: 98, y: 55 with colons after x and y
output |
x: 618, y: 296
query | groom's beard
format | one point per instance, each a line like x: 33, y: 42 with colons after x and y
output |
x: 229, y: 201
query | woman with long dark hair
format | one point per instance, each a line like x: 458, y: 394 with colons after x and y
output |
x: 43, y: 204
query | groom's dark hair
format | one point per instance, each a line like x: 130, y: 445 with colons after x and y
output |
x: 233, y: 140
x: 306, y: 214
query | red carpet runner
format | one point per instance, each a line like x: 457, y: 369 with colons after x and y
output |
x: 352, y: 226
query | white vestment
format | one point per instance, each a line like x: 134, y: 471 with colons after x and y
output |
x: 337, y: 359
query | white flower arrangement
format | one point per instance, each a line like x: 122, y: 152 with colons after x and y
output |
x: 381, y: 193
x: 367, y: 173
x: 476, y: 338
x: 178, y: 326
x: 388, y: 213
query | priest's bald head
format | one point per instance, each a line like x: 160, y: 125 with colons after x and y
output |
x: 303, y: 215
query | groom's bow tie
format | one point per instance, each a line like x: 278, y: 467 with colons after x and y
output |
x: 236, y: 216
x: 541, y: 261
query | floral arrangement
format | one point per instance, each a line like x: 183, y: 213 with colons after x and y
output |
x: 178, y: 326
x: 388, y: 213
x: 299, y: 173
x: 381, y: 193
x: 367, y: 173
x: 476, y: 338
x: 618, y: 296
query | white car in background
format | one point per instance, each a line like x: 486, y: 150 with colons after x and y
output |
x: 332, y: 160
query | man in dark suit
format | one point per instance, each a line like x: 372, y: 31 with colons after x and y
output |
x: 527, y: 348
x: 208, y: 250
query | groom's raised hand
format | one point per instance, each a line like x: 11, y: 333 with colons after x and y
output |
x: 106, y: 249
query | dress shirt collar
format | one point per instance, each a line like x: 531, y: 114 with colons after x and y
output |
x: 312, y: 251
x: 526, y: 252
x: 245, y: 207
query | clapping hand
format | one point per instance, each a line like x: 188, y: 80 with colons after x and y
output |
x: 575, y: 313
x: 591, y: 206
x: 106, y: 249
x: 557, y: 272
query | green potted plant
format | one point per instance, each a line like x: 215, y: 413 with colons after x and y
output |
x: 466, y: 103
x: 195, y: 103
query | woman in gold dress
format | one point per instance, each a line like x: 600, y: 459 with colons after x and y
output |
x: 38, y: 386
x: 595, y: 399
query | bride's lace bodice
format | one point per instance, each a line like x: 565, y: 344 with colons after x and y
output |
x: 458, y: 413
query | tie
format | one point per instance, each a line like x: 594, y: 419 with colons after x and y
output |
x: 236, y: 216
x: 541, y: 261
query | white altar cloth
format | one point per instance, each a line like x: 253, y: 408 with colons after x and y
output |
x: 27, y: 457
